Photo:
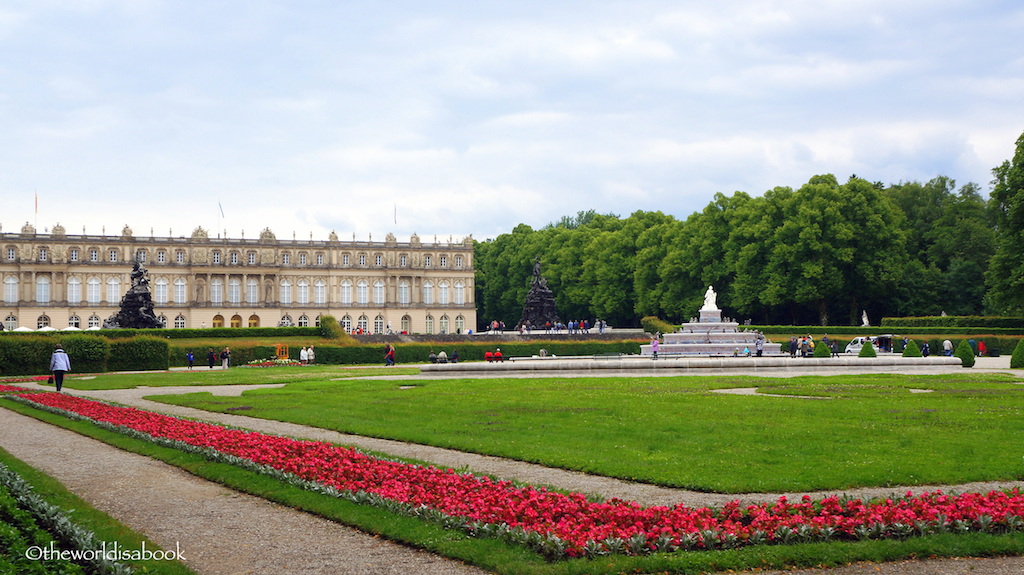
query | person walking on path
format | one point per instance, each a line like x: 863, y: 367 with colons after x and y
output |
x: 310, y: 356
x: 211, y: 357
x: 191, y: 357
x: 60, y: 364
x: 225, y: 358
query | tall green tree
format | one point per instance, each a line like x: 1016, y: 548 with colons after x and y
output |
x: 1005, y: 274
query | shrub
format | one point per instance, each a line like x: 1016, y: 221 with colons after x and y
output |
x: 965, y: 353
x: 88, y: 354
x: 1017, y: 359
x: 27, y: 355
x: 821, y: 350
x: 867, y: 350
x: 911, y: 349
x: 331, y: 329
x: 138, y: 353
x: 652, y: 324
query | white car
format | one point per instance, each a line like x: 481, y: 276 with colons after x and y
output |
x: 882, y: 343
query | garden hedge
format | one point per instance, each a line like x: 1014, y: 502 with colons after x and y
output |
x: 965, y: 321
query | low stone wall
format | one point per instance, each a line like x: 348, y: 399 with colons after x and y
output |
x: 639, y: 364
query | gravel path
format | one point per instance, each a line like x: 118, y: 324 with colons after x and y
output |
x: 172, y: 507
x: 218, y: 531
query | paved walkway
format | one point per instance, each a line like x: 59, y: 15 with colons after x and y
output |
x: 173, y: 507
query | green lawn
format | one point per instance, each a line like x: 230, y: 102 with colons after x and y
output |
x: 872, y: 431
x: 235, y: 376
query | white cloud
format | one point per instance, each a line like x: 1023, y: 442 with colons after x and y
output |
x: 472, y: 119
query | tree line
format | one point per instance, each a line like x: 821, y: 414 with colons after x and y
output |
x: 819, y: 254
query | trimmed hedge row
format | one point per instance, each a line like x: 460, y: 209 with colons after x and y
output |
x: 88, y: 354
x: 967, y: 321
x: 415, y: 352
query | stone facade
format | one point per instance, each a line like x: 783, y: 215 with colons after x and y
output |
x: 59, y: 280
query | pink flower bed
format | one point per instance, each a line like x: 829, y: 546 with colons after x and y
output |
x: 583, y: 526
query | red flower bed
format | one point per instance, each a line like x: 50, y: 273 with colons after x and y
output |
x: 15, y: 389
x: 571, y: 517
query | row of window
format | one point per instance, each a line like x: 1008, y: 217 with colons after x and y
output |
x: 235, y: 257
x: 361, y: 325
x: 445, y: 293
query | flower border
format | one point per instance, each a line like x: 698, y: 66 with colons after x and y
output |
x: 557, y: 525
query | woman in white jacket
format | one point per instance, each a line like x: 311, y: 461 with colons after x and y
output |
x: 60, y: 364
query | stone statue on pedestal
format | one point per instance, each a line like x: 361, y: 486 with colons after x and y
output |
x: 136, y: 305
x: 710, y: 299
x: 539, y: 309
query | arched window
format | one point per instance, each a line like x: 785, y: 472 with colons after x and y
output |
x: 11, y: 322
x: 74, y: 291
x: 303, y: 320
x: 428, y: 294
x: 460, y: 293
x: 346, y: 292
x: 444, y: 324
x: 11, y: 289
x: 303, y: 292
x: 236, y: 320
x: 180, y: 291
x: 346, y: 323
x: 460, y: 324
x: 286, y: 292
x: 217, y: 294
x: 113, y: 290
x: 92, y: 291
x: 316, y: 321
x: 406, y: 323
x: 442, y: 293
x: 74, y: 321
x: 403, y: 292
x: 363, y: 323
x: 218, y: 321
x: 252, y: 291
x: 429, y: 325
x: 378, y: 324
x: 160, y: 292
x: 319, y: 292
x: 43, y: 290
x: 179, y: 322
x: 378, y: 293
x: 94, y: 321
x: 254, y: 321
x: 362, y: 297
x: 235, y: 294
x: 163, y: 320
x: 42, y: 321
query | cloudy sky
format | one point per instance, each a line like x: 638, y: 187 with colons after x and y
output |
x: 454, y: 118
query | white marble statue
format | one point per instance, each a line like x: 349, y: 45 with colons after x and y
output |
x: 864, y: 319
x: 710, y: 299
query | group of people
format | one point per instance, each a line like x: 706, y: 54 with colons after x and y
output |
x: 805, y: 346
x: 211, y: 357
x: 306, y: 356
x: 572, y: 327
x: 443, y: 357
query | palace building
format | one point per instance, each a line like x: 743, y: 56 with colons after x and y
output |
x: 57, y: 280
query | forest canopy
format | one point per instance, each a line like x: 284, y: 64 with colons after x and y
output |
x: 819, y: 254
